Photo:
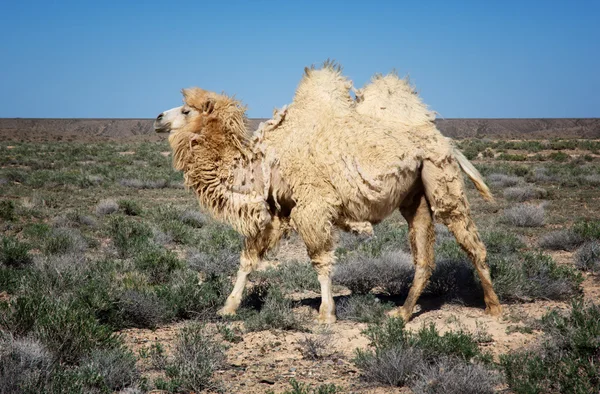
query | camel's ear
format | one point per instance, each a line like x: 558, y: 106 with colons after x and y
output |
x: 208, y: 106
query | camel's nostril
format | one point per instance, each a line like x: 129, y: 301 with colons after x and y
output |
x: 159, y: 117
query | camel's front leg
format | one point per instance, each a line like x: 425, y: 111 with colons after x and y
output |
x: 248, y: 261
x: 254, y: 250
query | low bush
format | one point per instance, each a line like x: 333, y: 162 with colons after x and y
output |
x: 524, y: 193
x: 291, y: 276
x: 218, y: 262
x: 587, y: 257
x: 25, y: 365
x: 315, y: 347
x: 106, y: 207
x: 503, y: 180
x: 561, y: 240
x: 362, y: 308
x: 115, y: 369
x: 400, y: 357
x: 193, y: 218
x: 587, y: 229
x: 64, y: 240
x: 449, y: 376
x: 525, y: 215
x: 195, y: 358
x: 14, y: 253
x: 186, y: 298
x: 560, y: 157
x: 130, y: 207
x: 566, y: 359
x: 7, y: 210
x: 303, y: 388
x: 158, y: 263
x: 275, y: 313
x: 129, y: 236
x: 141, y: 309
x: 529, y: 276
x: 391, y: 271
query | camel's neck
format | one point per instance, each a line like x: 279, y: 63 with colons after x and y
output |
x: 228, y: 180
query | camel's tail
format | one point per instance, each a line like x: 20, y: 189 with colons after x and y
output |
x: 473, y: 174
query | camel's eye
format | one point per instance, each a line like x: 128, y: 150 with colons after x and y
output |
x: 185, y: 111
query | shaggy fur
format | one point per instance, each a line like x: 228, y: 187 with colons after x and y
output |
x: 329, y: 161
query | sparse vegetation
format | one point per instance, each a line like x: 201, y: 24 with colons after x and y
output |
x: 196, y: 357
x: 74, y: 272
x: 525, y: 215
x: 587, y: 257
x: 275, y: 313
x: 400, y: 357
x: 565, y: 361
x: 524, y: 193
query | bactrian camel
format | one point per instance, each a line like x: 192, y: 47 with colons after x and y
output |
x: 326, y: 162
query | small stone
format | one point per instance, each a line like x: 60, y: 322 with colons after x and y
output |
x: 267, y: 381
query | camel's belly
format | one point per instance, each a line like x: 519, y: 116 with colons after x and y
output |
x: 378, y: 203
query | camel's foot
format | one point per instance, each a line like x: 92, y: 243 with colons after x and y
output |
x: 494, y: 310
x: 326, y: 318
x: 400, y: 312
x: 225, y: 311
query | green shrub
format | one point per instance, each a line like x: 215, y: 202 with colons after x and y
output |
x: 14, y: 253
x: 195, y: 358
x: 362, y: 308
x: 187, y: 298
x: 114, y: 369
x: 361, y: 272
x: 63, y: 241
x: 158, y: 263
x: 130, y: 207
x: 529, y: 276
x: 399, y: 357
x: 7, y: 210
x: 302, y: 388
x: 560, y: 157
x: 291, y: 276
x: 449, y: 376
x: 525, y: 215
x: 276, y: 313
x: 587, y: 257
x: 70, y: 332
x: 587, y: 229
x: 561, y: 240
x: 141, y: 309
x: 129, y: 236
x: 565, y: 362
x: 25, y: 365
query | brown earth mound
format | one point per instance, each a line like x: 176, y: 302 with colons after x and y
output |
x: 20, y: 129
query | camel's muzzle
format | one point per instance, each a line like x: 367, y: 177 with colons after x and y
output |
x: 160, y: 127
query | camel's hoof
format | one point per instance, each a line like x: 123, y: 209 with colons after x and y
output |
x: 399, y: 312
x: 224, y: 312
x: 326, y: 319
x: 494, y: 310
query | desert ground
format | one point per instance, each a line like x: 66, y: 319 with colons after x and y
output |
x: 111, y: 276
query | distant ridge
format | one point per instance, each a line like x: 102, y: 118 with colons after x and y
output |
x: 23, y: 129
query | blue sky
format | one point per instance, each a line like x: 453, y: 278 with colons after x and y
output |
x: 130, y: 59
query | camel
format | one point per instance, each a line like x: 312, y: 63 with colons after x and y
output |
x: 327, y: 162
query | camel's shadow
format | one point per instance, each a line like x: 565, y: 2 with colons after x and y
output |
x: 427, y: 303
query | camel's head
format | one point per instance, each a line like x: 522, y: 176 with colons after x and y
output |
x: 198, y: 107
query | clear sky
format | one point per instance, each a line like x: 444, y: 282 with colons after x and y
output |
x: 125, y: 59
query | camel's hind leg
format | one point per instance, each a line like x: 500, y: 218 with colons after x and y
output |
x: 422, y: 239
x: 445, y: 192
x: 254, y: 250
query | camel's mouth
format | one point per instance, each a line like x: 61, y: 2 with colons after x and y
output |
x: 162, y: 128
